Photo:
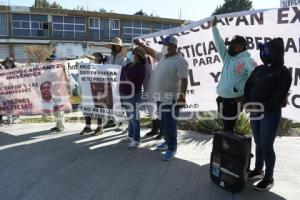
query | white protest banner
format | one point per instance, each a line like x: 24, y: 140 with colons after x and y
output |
x: 100, y: 91
x: 195, y: 42
x: 36, y: 89
x: 71, y: 69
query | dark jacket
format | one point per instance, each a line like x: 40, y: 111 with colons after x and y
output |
x: 134, y: 73
x: 269, y: 84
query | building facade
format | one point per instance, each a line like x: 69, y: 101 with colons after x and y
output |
x: 70, y: 33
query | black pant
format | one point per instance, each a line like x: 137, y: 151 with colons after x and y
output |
x: 229, y: 110
x: 88, y: 121
x: 156, y: 126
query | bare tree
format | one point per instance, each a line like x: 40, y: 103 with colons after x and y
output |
x: 37, y: 53
x: 80, y: 8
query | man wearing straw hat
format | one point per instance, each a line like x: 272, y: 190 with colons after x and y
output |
x: 117, y: 57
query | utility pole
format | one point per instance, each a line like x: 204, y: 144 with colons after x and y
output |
x: 180, y: 12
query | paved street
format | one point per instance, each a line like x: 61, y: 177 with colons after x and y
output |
x: 36, y: 165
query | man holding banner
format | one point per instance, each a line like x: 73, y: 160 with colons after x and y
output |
x: 237, y: 67
x: 170, y: 74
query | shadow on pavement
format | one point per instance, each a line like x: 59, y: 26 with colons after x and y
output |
x: 61, y: 169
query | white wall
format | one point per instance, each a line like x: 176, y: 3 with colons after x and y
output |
x: 69, y: 50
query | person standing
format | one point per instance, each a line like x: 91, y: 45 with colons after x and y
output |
x: 8, y: 63
x: 59, y: 115
x: 268, y: 86
x: 134, y: 73
x: 170, y: 74
x: 98, y: 59
x: 237, y: 67
x: 117, y: 58
x: 147, y: 97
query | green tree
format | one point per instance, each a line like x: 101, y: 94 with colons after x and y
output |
x: 46, y: 4
x: 141, y: 13
x: 41, y: 4
x: 233, y: 6
x: 56, y: 5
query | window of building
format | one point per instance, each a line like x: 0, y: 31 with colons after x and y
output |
x: 166, y: 26
x: 104, y: 29
x: 134, y: 28
x: 94, y: 23
x: 157, y: 26
x: 28, y: 25
x: 115, y: 24
x: 69, y: 27
x: 3, y: 24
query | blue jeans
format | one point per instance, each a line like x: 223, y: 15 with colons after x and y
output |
x: 131, y: 106
x: 169, y: 122
x: 264, y: 133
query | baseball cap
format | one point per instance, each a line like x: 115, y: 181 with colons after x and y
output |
x: 169, y: 40
x: 237, y: 39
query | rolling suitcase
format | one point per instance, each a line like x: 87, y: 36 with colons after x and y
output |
x: 230, y: 160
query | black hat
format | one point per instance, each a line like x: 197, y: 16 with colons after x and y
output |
x: 237, y: 39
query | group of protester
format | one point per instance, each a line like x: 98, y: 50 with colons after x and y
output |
x: 242, y: 82
x: 262, y: 90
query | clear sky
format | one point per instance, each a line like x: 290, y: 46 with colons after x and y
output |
x: 190, y: 9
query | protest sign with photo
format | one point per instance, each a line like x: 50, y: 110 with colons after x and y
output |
x: 36, y: 89
x: 100, y: 90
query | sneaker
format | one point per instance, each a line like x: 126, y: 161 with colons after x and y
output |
x: 162, y: 147
x: 85, y: 130
x: 61, y: 129
x: 264, y: 184
x: 133, y: 144
x: 98, y: 131
x: 256, y: 174
x: 54, y: 129
x: 151, y: 133
x: 159, y: 136
x: 169, y: 155
x: 109, y: 124
x: 126, y: 140
x: 118, y: 128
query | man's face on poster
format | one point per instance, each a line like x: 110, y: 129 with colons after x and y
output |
x: 102, y: 95
x: 46, y: 91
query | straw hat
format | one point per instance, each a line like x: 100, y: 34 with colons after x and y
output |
x: 115, y: 41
